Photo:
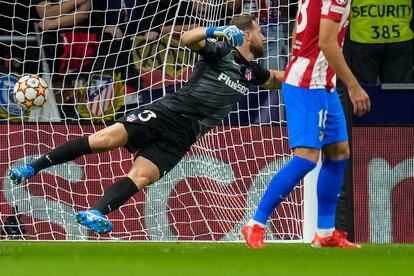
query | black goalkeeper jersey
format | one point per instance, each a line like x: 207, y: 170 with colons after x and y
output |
x: 219, y: 79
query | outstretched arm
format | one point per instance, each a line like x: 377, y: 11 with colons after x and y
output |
x: 275, y: 80
x: 195, y: 39
x: 328, y: 42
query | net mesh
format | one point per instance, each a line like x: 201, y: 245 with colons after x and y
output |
x: 121, y: 55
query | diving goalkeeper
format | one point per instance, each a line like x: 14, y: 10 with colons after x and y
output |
x: 161, y: 133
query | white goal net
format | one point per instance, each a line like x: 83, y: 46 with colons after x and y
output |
x: 102, y: 59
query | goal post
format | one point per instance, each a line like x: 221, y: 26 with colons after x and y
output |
x: 120, y: 58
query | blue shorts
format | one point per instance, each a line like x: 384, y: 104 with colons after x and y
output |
x: 314, y: 117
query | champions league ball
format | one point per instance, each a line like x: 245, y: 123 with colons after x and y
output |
x: 30, y: 92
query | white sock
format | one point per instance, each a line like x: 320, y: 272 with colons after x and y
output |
x: 253, y: 222
x: 325, y: 232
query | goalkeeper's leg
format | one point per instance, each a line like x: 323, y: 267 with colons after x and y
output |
x: 142, y: 174
x: 104, y: 140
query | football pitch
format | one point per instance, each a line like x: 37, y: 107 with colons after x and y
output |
x: 197, y: 259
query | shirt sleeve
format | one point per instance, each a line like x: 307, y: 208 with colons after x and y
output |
x: 334, y: 9
x: 259, y: 74
x: 214, y: 49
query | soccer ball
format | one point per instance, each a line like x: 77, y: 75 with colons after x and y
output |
x: 30, y: 92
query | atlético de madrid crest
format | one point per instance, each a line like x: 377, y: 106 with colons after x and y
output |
x: 248, y: 74
x: 342, y: 2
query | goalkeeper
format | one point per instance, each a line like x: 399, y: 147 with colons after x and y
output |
x: 161, y: 133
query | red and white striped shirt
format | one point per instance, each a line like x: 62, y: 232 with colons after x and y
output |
x: 308, y: 67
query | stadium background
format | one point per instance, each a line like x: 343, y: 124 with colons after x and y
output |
x: 382, y: 180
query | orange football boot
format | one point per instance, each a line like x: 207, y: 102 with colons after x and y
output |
x: 254, y: 235
x: 338, y: 239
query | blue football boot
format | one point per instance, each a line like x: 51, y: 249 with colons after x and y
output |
x: 20, y: 174
x: 94, y: 220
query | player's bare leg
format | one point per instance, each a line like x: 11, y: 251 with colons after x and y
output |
x: 336, y: 151
x: 142, y: 174
x: 307, y: 153
x: 109, y: 138
x: 104, y: 140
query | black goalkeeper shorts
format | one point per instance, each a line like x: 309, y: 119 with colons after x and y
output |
x: 158, y: 134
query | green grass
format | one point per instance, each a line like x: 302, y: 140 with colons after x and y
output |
x: 197, y: 259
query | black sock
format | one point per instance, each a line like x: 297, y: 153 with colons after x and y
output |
x: 116, y: 196
x: 67, y: 152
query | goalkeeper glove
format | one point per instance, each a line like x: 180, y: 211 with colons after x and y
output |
x: 230, y: 33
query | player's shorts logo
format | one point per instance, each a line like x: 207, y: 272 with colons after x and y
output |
x: 321, y: 135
